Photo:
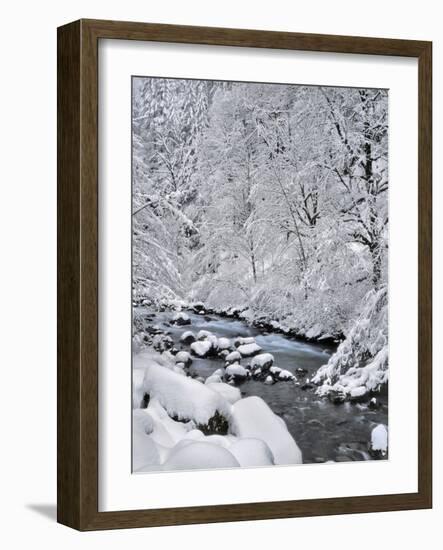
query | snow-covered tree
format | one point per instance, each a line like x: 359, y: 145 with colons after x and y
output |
x: 271, y: 198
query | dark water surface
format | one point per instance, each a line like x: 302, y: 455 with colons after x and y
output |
x: 322, y: 430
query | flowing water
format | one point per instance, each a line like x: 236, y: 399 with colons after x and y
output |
x: 323, y: 430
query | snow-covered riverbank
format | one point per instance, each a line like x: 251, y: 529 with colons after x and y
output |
x: 188, y: 424
x: 186, y: 393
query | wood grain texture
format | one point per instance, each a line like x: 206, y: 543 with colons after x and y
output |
x: 77, y: 171
x: 68, y: 275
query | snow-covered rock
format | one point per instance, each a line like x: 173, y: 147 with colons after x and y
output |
x: 233, y: 357
x: 230, y: 393
x: 281, y: 374
x: 269, y: 380
x: 183, y: 357
x: 200, y: 455
x: 263, y: 361
x: 181, y: 318
x: 183, y: 397
x: 257, y: 373
x: 162, y: 342
x: 179, y: 368
x: 187, y: 337
x: 198, y: 307
x: 154, y: 433
x: 223, y: 343
x: 252, y: 418
x: 214, y: 378
x: 243, y: 340
x: 379, y: 440
x: 236, y: 371
x: 357, y: 392
x: 249, y: 349
x: 202, y: 348
x: 252, y: 452
x: 205, y: 335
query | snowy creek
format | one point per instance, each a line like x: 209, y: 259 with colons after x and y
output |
x: 323, y: 430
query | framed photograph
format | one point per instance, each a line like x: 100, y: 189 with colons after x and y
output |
x: 244, y: 274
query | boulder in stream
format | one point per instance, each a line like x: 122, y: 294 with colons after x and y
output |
x: 181, y: 319
x: 248, y: 350
x: 187, y: 337
x: 202, y: 348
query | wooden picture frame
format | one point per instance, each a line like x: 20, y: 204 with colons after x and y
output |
x: 77, y: 458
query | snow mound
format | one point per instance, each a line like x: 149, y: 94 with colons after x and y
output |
x: 249, y: 349
x: 252, y: 418
x: 181, y: 318
x: 206, y: 335
x: 233, y: 357
x: 214, y: 378
x: 281, y: 374
x: 230, y: 393
x: 183, y: 357
x: 145, y: 450
x: 252, y: 452
x: 263, y: 361
x: 201, y: 348
x: 191, y: 455
x: 379, y: 439
x: 239, y: 341
x: 187, y: 337
x: 236, y: 370
x: 183, y: 397
x: 223, y: 343
x: 358, y: 391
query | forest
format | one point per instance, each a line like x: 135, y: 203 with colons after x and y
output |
x: 269, y: 200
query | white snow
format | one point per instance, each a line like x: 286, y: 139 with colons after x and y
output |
x: 137, y: 387
x: 244, y: 340
x: 286, y: 375
x: 282, y: 374
x: 233, y: 357
x: 263, y: 360
x: 201, y: 348
x: 251, y: 417
x: 183, y: 357
x: 214, y: 378
x: 223, y: 343
x: 179, y: 368
x: 359, y: 391
x: 180, y: 316
x: 236, y: 370
x: 349, y: 366
x: 165, y: 431
x: 145, y: 451
x: 205, y: 334
x: 379, y: 439
x: 249, y: 349
x: 252, y: 452
x: 269, y: 380
x: 182, y: 396
x: 219, y: 372
x: 200, y: 455
x: 230, y: 393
